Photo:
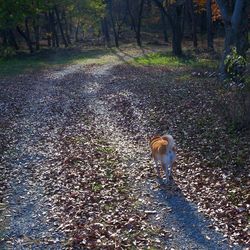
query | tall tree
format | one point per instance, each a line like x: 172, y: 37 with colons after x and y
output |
x: 105, y: 30
x: 110, y: 11
x: 190, y: 5
x: 210, y: 44
x: 235, y: 28
x: 60, y: 26
x: 164, y: 26
x: 52, y: 23
x: 26, y: 34
x: 173, y: 11
x: 138, y: 30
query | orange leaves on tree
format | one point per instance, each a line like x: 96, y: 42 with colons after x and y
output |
x: 201, y: 6
x: 216, y: 15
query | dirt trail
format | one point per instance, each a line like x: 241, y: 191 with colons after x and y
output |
x: 37, y: 108
x: 188, y: 228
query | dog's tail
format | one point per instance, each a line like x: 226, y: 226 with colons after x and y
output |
x: 171, y: 142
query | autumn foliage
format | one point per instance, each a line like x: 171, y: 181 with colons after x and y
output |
x: 201, y: 6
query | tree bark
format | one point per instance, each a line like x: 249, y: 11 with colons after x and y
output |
x: 232, y: 25
x: 193, y: 18
x: 48, y: 29
x: 105, y: 30
x: 12, y: 39
x: 110, y: 8
x: 210, y: 42
x: 60, y: 27
x: 164, y: 26
x: 36, y: 32
x: 66, y: 27
x: 26, y: 35
x: 136, y: 22
x: 174, y: 19
x: 138, y: 31
x: 177, y: 34
x: 242, y: 42
x: 133, y: 25
x: 55, y: 39
x: 76, y: 32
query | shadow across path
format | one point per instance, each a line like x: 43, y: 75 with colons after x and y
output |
x: 190, y: 228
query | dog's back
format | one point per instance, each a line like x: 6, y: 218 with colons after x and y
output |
x: 164, y: 152
x: 158, y: 146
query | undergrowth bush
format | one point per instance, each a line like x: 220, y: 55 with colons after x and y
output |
x: 236, y: 67
x: 7, y: 52
x: 237, y: 94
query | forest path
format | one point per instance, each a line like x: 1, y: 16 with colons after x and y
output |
x: 121, y: 116
x: 41, y: 109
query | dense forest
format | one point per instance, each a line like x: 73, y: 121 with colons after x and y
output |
x: 34, y: 25
x: 113, y: 21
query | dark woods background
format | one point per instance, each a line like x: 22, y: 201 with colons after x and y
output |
x: 110, y: 22
x: 194, y: 24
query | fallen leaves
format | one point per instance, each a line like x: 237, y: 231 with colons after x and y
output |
x: 81, y: 150
x: 212, y: 168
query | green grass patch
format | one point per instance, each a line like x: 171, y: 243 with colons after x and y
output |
x: 166, y: 59
x: 52, y: 57
x: 47, y: 58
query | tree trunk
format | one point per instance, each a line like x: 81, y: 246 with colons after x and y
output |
x: 110, y: 4
x: 26, y: 35
x: 36, y: 32
x: 48, y: 29
x: 184, y: 17
x: 76, y: 33
x: 13, y: 40
x: 66, y: 28
x: 60, y: 27
x: 55, y: 39
x: 174, y: 19
x: 232, y: 25
x: 133, y: 25
x: 177, y: 34
x: 138, y: 31
x: 242, y: 43
x: 164, y: 26
x: 105, y: 30
x: 193, y: 18
x: 210, y: 43
x: 176, y: 42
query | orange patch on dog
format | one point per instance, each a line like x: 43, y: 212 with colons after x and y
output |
x: 158, y: 145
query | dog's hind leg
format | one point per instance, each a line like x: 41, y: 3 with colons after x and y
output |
x: 165, y: 166
x: 166, y: 170
x: 157, y: 168
x: 170, y: 171
x: 172, y: 160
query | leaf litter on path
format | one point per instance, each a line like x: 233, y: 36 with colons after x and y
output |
x: 77, y: 158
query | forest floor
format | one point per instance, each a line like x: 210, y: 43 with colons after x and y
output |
x: 75, y: 165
